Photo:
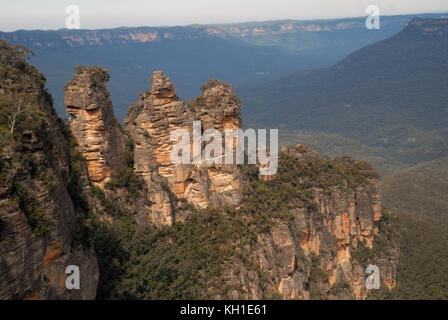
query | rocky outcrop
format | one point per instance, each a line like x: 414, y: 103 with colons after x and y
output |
x: 161, y: 113
x: 93, y: 123
x: 220, y: 109
x: 33, y: 267
x: 318, y: 253
x: 313, y: 243
x: 152, y: 120
x: 39, y: 218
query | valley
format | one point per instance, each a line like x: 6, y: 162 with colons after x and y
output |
x: 87, y: 178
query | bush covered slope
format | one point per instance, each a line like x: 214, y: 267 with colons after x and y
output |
x: 390, y: 95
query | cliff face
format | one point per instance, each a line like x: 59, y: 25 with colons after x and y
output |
x: 219, y: 108
x: 349, y: 217
x: 152, y: 120
x: 317, y: 253
x: 421, y: 28
x: 93, y: 123
x: 308, y: 232
x: 38, y: 216
x: 150, y: 123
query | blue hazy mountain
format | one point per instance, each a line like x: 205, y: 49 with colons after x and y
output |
x: 244, y: 53
x: 391, y: 95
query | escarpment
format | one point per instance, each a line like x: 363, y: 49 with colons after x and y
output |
x: 40, y: 210
x: 321, y: 244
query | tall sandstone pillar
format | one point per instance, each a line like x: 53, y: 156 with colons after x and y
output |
x: 93, y: 123
x: 219, y: 108
x: 157, y: 114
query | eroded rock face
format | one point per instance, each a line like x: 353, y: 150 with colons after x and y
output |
x: 316, y: 250
x: 350, y: 216
x: 93, y: 123
x: 219, y: 108
x: 33, y: 265
x: 150, y: 122
x: 162, y: 113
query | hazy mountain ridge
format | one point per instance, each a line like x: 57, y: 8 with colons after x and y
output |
x: 390, y: 95
x: 191, y: 55
x: 126, y: 35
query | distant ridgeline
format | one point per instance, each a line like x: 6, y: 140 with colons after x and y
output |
x: 390, y: 98
x: 241, y: 54
x: 64, y: 38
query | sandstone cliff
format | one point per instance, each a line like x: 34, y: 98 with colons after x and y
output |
x: 317, y: 250
x: 93, y: 123
x: 38, y: 213
x: 150, y: 123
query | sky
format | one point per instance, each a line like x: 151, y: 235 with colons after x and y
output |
x: 96, y: 14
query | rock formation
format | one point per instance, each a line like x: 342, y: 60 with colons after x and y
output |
x: 323, y: 239
x: 150, y: 123
x: 313, y: 255
x: 313, y: 248
x: 39, y: 217
x: 219, y: 108
x: 93, y: 123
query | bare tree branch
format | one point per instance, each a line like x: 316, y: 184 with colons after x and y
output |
x: 12, y: 118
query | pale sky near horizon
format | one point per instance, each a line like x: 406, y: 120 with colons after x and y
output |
x: 95, y: 14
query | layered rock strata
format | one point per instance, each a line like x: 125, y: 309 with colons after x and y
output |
x: 152, y: 120
x: 93, y: 123
x: 39, y: 219
x: 315, y: 254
